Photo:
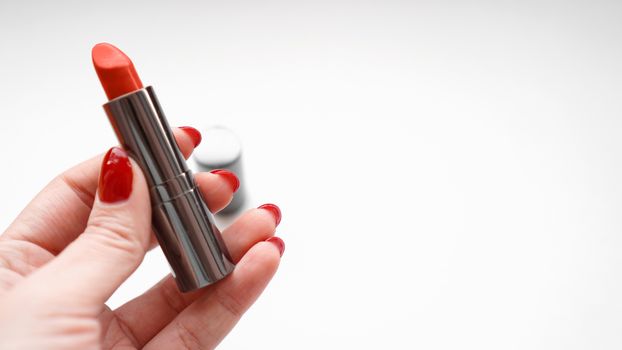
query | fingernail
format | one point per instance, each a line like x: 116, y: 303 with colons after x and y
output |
x: 194, y: 134
x: 278, y: 243
x: 229, y: 176
x: 276, y: 212
x: 115, y: 178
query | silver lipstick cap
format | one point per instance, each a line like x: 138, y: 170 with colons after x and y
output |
x: 181, y: 220
x: 222, y: 149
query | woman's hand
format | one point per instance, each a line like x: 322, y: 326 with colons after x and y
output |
x: 76, y: 242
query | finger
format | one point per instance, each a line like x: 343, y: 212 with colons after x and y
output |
x: 188, y: 138
x: 217, y: 187
x: 58, y: 214
x: 255, y: 225
x: 204, y: 323
x: 112, y: 246
x: 165, y: 301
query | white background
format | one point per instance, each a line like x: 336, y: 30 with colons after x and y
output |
x: 449, y: 172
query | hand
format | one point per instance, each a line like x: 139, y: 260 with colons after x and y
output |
x: 75, y: 243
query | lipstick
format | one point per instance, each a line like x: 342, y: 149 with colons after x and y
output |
x: 181, y: 220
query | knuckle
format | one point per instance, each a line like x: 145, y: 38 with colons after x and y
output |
x: 5, y: 263
x: 188, y: 337
x: 231, y: 304
x: 169, y: 293
x: 110, y: 232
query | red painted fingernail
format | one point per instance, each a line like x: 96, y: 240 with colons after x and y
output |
x: 229, y: 176
x: 115, y: 178
x: 274, y: 210
x: 194, y: 134
x: 278, y: 243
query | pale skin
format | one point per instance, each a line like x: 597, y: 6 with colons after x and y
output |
x: 67, y: 252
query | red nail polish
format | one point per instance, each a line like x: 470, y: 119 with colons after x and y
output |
x: 194, y: 134
x: 274, y: 210
x: 115, y: 178
x: 278, y: 243
x: 229, y: 176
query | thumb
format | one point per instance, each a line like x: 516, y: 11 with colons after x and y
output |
x: 113, y: 244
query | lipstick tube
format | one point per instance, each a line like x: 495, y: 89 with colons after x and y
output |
x: 182, y: 222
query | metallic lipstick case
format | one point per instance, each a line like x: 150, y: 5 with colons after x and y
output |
x: 181, y: 220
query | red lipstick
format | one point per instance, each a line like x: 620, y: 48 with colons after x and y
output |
x: 181, y: 220
x: 115, y: 70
